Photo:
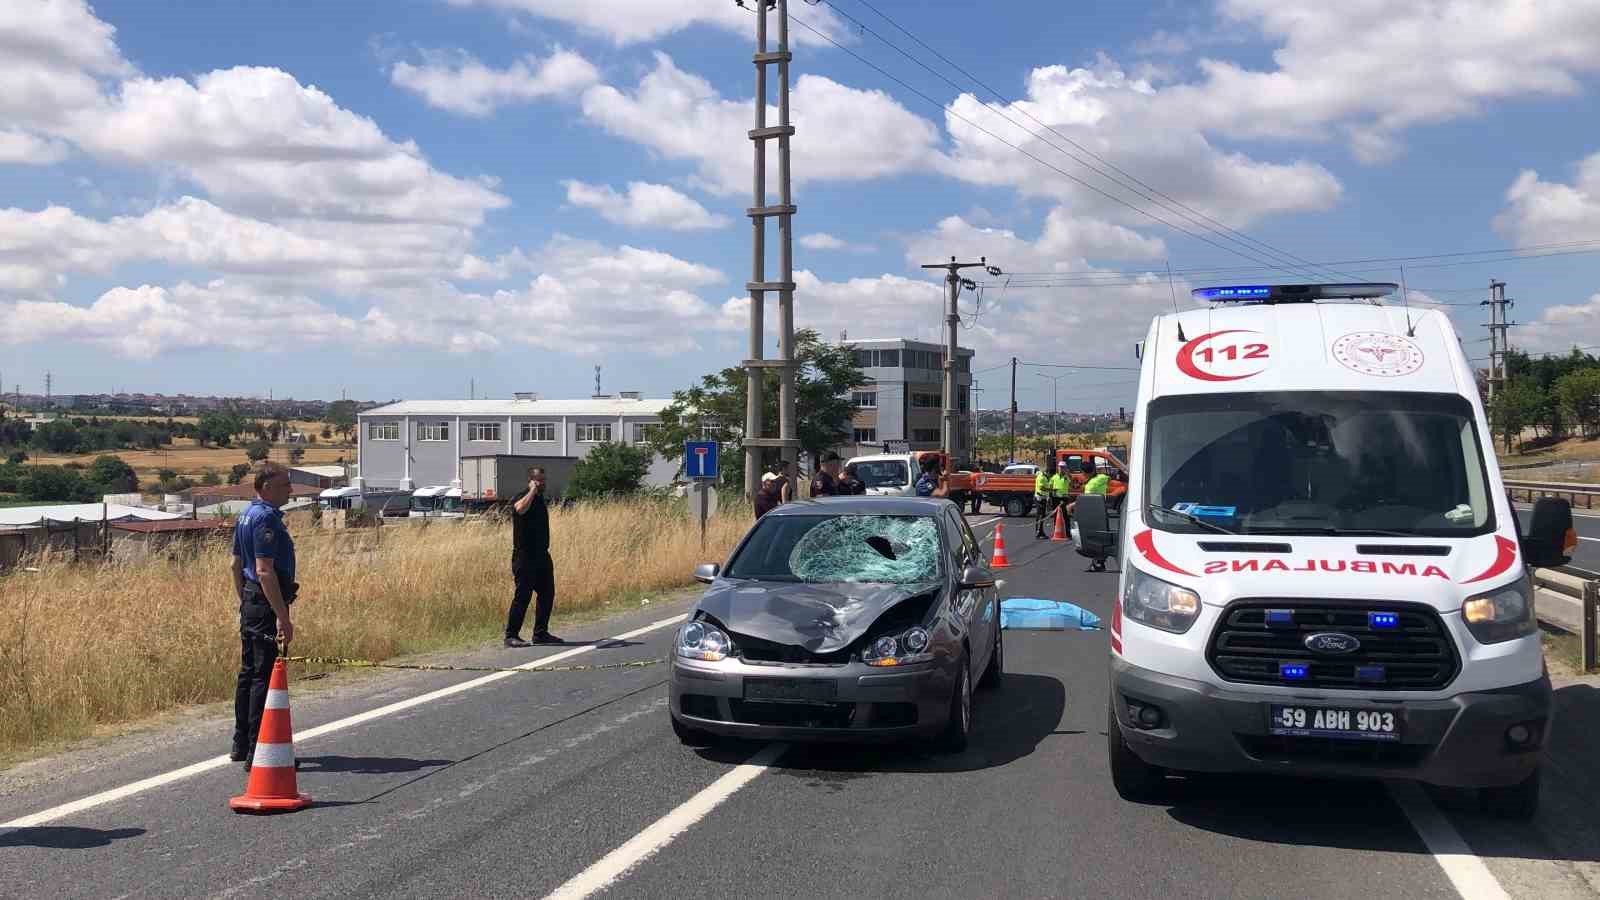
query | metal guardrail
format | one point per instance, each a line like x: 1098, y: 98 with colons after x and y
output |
x: 1569, y: 599
x: 1570, y: 491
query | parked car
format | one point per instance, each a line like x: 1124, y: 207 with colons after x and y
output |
x: 845, y: 618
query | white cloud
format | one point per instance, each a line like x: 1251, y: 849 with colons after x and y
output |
x: 644, y: 206
x: 1560, y: 328
x: 634, y: 21
x: 822, y: 241
x: 23, y: 148
x: 459, y: 83
x: 1063, y: 245
x: 1542, y: 212
x: 842, y: 134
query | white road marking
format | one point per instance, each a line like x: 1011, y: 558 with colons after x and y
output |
x: 217, y: 762
x: 652, y: 840
x: 1466, y: 871
x: 1582, y: 538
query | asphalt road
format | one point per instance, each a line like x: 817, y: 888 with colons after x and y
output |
x: 518, y: 787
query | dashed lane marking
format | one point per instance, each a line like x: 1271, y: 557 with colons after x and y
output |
x: 1466, y: 871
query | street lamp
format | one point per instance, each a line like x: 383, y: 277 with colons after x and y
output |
x: 1055, y: 408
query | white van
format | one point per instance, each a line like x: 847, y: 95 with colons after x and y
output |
x: 1322, y: 574
x: 887, y: 474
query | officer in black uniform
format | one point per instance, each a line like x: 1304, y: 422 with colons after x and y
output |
x: 531, y: 566
x: 263, y: 577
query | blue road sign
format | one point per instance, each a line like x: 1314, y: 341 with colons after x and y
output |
x: 700, y: 459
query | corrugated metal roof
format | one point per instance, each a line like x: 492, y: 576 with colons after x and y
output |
x: 321, y: 471
x: 610, y: 408
x: 22, y: 516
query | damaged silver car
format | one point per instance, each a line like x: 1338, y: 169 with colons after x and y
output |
x: 848, y: 618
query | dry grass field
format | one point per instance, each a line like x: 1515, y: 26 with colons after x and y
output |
x: 189, y: 459
x: 66, y: 669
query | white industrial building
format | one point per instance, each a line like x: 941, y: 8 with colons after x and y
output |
x: 416, y: 443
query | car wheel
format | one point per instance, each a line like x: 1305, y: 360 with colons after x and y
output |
x: 1016, y: 507
x: 959, y: 729
x: 1518, y: 802
x: 1135, y: 780
x: 689, y: 737
x: 995, y: 673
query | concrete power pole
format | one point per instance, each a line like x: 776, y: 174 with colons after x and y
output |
x: 950, y: 433
x: 787, y: 440
x: 1013, y: 409
x: 1499, y: 340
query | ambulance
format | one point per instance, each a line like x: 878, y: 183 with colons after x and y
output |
x: 1322, y: 572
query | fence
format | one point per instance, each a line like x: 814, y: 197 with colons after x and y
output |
x: 1569, y: 599
x: 1532, y: 490
x: 81, y: 537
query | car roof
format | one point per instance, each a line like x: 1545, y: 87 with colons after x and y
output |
x: 862, y: 506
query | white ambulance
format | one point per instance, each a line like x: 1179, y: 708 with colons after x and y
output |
x: 1322, y: 574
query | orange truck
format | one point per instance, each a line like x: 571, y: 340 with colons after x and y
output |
x: 1014, y: 493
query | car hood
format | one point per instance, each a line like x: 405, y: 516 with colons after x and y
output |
x: 820, y: 618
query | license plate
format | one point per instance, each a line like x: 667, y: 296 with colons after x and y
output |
x: 1334, y: 722
x: 790, y: 690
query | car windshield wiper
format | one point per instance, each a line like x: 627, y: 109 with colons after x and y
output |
x: 1193, y: 520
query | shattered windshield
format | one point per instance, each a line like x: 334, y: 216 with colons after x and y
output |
x: 832, y: 549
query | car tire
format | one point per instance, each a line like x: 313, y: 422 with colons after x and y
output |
x: 689, y: 737
x: 959, y: 729
x: 994, y: 675
x: 1135, y: 780
x: 1518, y: 802
x: 1016, y: 507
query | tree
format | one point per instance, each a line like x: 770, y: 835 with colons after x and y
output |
x: 611, y: 469
x: 17, y: 458
x: 238, y: 473
x: 257, y: 451
x: 56, y: 437
x: 296, y: 453
x: 113, y: 475
x: 1578, y: 394
x: 341, y: 416
x: 714, y: 409
x: 1515, y: 407
x: 218, y: 428
x: 211, y: 478
x: 55, y: 484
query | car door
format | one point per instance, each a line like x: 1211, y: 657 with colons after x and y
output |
x: 973, y: 607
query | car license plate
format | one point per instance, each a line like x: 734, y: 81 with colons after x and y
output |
x: 790, y: 690
x: 1334, y: 722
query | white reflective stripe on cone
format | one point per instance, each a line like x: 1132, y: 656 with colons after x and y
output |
x: 273, y: 756
x: 277, y: 700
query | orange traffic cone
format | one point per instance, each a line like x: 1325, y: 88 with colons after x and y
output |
x: 1000, y: 561
x: 1061, y: 526
x: 272, y: 783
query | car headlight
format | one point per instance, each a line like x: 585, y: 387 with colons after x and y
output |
x: 910, y: 646
x: 1504, y: 615
x: 1151, y: 601
x: 697, y: 640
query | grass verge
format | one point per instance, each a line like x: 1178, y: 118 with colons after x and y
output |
x: 83, y: 646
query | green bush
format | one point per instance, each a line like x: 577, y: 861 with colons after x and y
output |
x: 610, y: 470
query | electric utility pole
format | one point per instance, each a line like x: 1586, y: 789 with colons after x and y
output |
x: 787, y: 442
x: 1013, y: 409
x: 1499, y: 340
x: 950, y: 433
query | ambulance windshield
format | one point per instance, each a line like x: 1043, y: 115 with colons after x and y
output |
x: 1318, y: 463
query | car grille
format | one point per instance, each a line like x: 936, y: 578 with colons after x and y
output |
x: 758, y: 651
x: 1418, y: 655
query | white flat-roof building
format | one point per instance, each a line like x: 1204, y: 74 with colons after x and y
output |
x: 421, y: 442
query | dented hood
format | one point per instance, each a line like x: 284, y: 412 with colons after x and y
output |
x: 820, y: 618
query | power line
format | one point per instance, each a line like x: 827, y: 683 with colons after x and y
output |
x: 1077, y: 366
x: 1051, y: 166
x: 1142, y: 188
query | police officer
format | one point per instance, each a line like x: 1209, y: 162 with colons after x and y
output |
x: 263, y: 577
x: 826, y: 482
x: 1097, y: 483
x: 1044, y: 498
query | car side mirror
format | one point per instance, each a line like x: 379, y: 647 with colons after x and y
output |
x: 1551, y: 538
x: 976, y: 578
x: 705, y: 573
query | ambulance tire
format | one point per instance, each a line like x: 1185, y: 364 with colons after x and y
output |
x: 1517, y: 803
x: 1016, y: 507
x: 1135, y: 780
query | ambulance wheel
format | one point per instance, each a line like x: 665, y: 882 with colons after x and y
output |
x: 1016, y: 507
x: 1135, y: 780
x: 1518, y: 802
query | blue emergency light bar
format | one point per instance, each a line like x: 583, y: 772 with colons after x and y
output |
x: 1280, y: 618
x: 1294, y: 293
x: 1293, y: 671
x: 1384, y: 620
x: 1371, y: 673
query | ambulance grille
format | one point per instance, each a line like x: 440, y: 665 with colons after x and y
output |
x: 1417, y: 654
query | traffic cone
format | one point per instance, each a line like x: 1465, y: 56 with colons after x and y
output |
x: 272, y: 783
x: 1061, y: 525
x: 1000, y: 561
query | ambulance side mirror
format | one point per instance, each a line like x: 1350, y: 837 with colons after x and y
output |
x: 1551, y: 538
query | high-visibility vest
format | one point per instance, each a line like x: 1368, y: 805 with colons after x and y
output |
x: 1098, y: 484
x: 1060, y: 485
x: 1041, y: 485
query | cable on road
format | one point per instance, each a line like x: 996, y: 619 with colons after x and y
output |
x: 353, y: 663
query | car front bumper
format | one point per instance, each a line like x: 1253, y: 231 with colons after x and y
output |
x: 868, y: 704
x: 1457, y: 741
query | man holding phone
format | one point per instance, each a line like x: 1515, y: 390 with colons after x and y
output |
x: 532, y: 568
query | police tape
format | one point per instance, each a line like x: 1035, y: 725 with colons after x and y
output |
x: 353, y: 663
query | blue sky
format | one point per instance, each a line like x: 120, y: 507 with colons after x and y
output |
x: 396, y: 198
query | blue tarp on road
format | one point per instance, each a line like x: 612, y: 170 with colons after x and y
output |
x: 1031, y: 614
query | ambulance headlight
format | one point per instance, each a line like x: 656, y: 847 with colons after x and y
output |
x: 1151, y: 601
x: 1504, y: 615
x: 698, y: 640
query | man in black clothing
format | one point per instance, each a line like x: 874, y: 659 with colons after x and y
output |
x: 826, y: 482
x: 531, y: 566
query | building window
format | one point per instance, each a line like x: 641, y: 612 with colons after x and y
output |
x: 594, y: 434
x: 881, y: 358
x: 433, y: 431
x: 925, y: 435
x: 536, y: 432
x: 962, y: 397
x: 864, y: 399
x: 483, y: 431
x: 923, y: 400
x: 866, y: 435
x: 383, y: 431
x: 643, y: 432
